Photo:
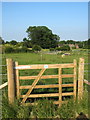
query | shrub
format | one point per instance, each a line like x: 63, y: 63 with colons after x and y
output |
x: 23, y: 49
x: 74, y: 47
x: 52, y: 49
x: 65, y: 48
x: 58, y: 48
x: 9, y: 49
x: 36, y: 48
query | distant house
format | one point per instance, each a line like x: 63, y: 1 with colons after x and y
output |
x: 70, y: 45
x: 77, y: 46
x: 73, y: 45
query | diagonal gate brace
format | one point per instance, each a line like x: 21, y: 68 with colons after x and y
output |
x: 33, y: 85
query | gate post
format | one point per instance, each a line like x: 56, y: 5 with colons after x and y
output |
x: 11, y: 83
x: 80, y: 78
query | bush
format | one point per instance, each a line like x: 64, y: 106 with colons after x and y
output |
x: 9, y: 49
x: 58, y: 48
x: 23, y: 49
x: 36, y: 48
x: 52, y: 49
x: 74, y: 47
x: 65, y: 48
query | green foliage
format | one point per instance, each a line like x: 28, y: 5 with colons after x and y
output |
x: 9, y: 49
x: 7, y: 109
x: 42, y: 36
x: 15, y: 49
x: 36, y: 48
x: 27, y: 43
x: 67, y: 111
x: 65, y: 48
x: 74, y: 47
x: 44, y: 109
x: 70, y: 42
x: 15, y: 110
x: 23, y: 49
x: 52, y: 49
x: 13, y: 42
x: 82, y: 105
x: 58, y: 49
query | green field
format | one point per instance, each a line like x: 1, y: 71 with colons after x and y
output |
x: 40, y: 110
x: 37, y: 58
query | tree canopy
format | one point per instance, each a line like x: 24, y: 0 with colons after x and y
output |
x: 42, y: 36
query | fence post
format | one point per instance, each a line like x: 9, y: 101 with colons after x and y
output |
x: 80, y: 78
x: 75, y: 77
x: 11, y: 84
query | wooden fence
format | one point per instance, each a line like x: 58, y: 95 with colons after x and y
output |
x: 14, y: 86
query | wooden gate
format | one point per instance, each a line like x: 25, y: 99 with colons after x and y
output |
x: 34, y: 85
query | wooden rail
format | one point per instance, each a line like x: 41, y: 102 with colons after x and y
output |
x: 86, y: 82
x: 41, y: 66
x: 46, y: 86
x: 3, y: 85
x: 45, y: 76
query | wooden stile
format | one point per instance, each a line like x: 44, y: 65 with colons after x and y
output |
x: 11, y: 84
x: 80, y: 78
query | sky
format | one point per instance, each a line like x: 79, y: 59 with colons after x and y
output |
x: 69, y: 20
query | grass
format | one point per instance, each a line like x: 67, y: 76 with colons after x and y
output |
x: 45, y: 107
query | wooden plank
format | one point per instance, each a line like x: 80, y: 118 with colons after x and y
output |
x: 46, y: 86
x: 46, y: 76
x: 33, y: 85
x: 60, y: 86
x: 86, y: 82
x: 47, y: 95
x: 34, y: 77
x: 80, y: 78
x: 17, y: 80
x: 11, y: 84
x: 41, y: 95
x: 75, y: 79
x: 3, y: 85
x: 42, y: 66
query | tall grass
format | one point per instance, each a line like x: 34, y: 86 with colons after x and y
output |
x: 45, y: 107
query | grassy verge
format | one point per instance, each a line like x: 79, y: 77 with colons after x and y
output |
x: 45, y: 107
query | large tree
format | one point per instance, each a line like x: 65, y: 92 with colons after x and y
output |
x: 27, y: 43
x: 42, y: 36
x: 13, y: 42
